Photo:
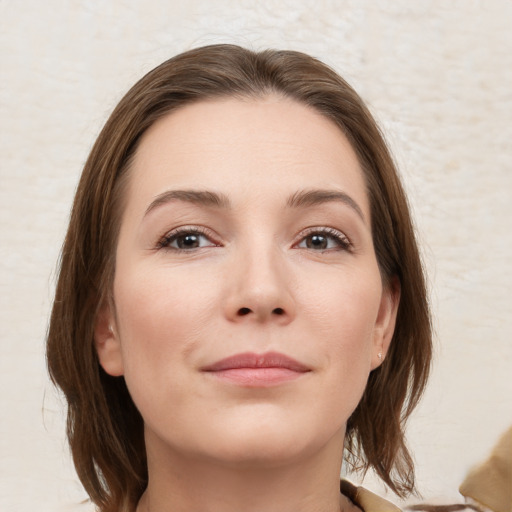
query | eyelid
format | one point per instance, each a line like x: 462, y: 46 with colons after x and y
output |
x: 165, y: 241
x: 344, y: 242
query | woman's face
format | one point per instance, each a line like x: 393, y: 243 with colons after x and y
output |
x: 248, y: 305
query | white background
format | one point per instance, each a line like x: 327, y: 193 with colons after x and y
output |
x: 438, y: 76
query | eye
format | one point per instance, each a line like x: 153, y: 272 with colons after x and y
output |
x: 324, y: 240
x: 186, y: 239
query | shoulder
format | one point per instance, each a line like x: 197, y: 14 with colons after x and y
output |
x: 366, y: 500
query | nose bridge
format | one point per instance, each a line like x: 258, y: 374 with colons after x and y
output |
x: 261, y: 282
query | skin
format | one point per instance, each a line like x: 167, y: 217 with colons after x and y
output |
x: 260, y: 275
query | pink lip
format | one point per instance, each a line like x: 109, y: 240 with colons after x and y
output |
x: 257, y: 370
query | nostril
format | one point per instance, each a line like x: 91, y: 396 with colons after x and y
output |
x: 278, y: 311
x: 244, y: 311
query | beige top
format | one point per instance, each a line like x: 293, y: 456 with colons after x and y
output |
x: 366, y: 500
x: 490, y: 484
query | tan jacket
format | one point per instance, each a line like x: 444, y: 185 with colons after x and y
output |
x: 366, y: 500
x: 490, y: 484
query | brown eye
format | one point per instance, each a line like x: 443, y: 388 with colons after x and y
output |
x: 325, y: 240
x: 186, y: 240
x: 317, y: 242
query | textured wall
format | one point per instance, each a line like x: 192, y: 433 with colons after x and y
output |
x: 438, y: 76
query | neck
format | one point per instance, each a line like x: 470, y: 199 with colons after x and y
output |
x: 182, y: 484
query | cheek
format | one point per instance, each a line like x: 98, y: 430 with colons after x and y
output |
x: 160, y: 315
x: 162, y: 301
x: 346, y: 305
x: 342, y: 317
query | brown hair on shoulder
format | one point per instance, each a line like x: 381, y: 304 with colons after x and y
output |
x: 105, y: 430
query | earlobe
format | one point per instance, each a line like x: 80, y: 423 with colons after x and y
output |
x: 386, y: 320
x: 107, y: 343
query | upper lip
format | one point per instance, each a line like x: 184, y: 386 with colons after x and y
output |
x: 253, y: 360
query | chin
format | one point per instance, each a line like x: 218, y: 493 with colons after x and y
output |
x: 267, y: 444
x: 262, y: 454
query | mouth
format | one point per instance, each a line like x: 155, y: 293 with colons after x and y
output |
x: 257, y: 370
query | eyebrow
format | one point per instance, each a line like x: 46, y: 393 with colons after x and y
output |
x: 305, y: 198
x: 199, y: 197
x: 300, y: 199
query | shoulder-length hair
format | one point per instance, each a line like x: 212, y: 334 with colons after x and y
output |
x: 104, y: 428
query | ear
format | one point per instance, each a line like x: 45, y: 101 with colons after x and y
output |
x: 386, y: 320
x: 107, y: 343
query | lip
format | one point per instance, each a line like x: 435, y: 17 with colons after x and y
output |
x: 257, y: 370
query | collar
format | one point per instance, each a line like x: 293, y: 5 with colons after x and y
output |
x: 366, y: 500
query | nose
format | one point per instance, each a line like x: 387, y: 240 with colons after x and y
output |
x: 260, y: 289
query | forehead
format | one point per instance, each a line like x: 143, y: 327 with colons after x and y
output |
x: 268, y: 145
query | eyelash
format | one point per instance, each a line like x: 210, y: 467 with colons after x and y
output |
x: 342, y: 242
x: 166, y: 241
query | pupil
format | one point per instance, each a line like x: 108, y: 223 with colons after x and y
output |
x: 317, y: 242
x: 189, y: 241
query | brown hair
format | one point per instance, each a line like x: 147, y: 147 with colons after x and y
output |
x: 105, y: 430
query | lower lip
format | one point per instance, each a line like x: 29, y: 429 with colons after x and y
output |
x: 257, y: 377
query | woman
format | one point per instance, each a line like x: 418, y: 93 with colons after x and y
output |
x: 241, y: 303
